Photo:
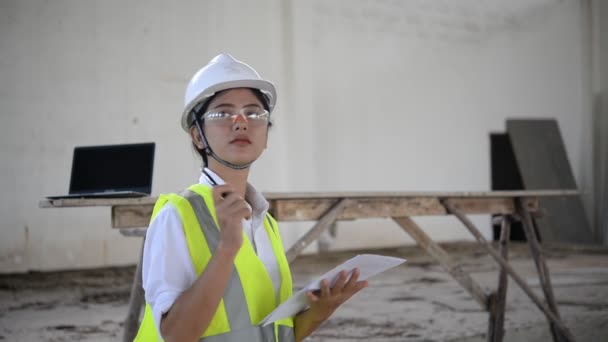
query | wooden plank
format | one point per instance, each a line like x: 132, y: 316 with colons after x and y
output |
x: 312, y: 209
x: 131, y: 216
x: 543, y: 164
x: 463, y: 278
x: 327, y: 220
x: 108, y: 202
x: 136, y: 232
x: 95, y: 202
x: 488, y: 205
x: 442, y: 194
x: 505, y: 265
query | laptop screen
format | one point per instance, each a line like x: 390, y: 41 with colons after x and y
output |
x: 112, y: 168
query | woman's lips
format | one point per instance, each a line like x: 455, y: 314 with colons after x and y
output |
x: 241, y: 141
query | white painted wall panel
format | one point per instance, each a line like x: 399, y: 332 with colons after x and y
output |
x: 401, y: 95
x: 373, y: 95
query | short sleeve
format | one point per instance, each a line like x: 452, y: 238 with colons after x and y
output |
x: 167, y: 269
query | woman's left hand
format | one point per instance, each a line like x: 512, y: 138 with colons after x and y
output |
x: 325, y: 301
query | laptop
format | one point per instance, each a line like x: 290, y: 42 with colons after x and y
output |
x: 111, y: 171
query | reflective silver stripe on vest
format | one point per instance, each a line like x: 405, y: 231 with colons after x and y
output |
x: 273, y: 228
x: 286, y: 334
x: 234, y: 295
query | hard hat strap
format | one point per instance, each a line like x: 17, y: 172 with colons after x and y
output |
x: 207, y: 149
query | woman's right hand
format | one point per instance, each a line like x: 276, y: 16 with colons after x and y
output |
x: 230, y: 209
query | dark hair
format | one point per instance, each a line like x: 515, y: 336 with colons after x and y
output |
x: 258, y: 94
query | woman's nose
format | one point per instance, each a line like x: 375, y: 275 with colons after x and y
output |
x: 239, y: 122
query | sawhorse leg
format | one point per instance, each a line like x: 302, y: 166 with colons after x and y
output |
x: 136, y: 300
x: 541, y: 267
x: 324, y: 222
x: 497, y: 300
x: 431, y: 247
x: 551, y: 316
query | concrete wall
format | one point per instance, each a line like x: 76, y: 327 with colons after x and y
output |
x: 101, y: 72
x: 401, y: 95
x: 373, y: 95
x: 599, y: 29
x: 602, y: 169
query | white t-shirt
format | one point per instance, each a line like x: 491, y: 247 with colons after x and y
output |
x: 167, y: 269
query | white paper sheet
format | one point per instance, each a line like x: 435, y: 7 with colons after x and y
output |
x: 369, y: 265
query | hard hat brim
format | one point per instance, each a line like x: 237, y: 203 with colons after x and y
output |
x: 266, y: 87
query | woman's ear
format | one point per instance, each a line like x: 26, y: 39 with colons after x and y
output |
x: 196, y: 137
x: 267, y: 131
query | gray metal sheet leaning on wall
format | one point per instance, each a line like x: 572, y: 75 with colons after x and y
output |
x: 543, y: 164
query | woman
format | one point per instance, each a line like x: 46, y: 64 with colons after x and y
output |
x: 213, y: 264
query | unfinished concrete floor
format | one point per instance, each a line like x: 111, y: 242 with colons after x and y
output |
x: 414, y: 302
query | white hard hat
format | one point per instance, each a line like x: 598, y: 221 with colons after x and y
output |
x: 223, y: 72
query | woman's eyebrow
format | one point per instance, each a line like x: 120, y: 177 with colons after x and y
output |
x: 224, y: 105
x: 230, y: 105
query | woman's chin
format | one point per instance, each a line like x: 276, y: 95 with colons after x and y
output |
x: 238, y: 156
x: 240, y: 160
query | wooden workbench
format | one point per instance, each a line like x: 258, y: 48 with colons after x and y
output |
x: 326, y: 208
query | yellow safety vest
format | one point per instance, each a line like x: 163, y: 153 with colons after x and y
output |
x: 249, y: 296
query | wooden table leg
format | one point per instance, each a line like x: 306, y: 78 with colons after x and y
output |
x: 136, y: 301
x: 504, y: 264
x: 463, y: 278
x: 498, y: 300
x: 541, y: 266
x: 324, y: 222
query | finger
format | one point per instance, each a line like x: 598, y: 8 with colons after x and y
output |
x: 339, y: 285
x: 219, y: 191
x: 229, y: 200
x: 242, y: 212
x: 360, y: 285
x: 238, y: 209
x: 311, y: 297
x: 325, y: 292
x: 353, y: 279
x: 230, y: 197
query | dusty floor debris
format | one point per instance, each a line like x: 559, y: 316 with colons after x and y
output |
x: 415, y: 302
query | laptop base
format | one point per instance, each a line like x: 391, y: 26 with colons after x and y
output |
x: 116, y: 194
